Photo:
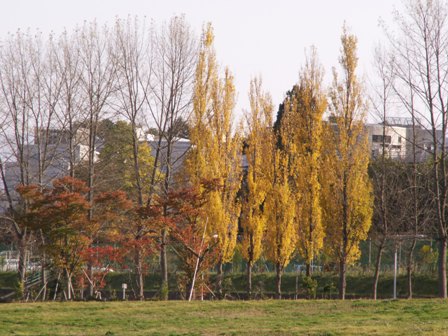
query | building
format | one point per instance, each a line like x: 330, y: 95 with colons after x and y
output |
x: 49, y: 162
x: 179, y: 149
x: 399, y: 135
x: 392, y: 137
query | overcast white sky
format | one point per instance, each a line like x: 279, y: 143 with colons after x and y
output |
x: 252, y: 36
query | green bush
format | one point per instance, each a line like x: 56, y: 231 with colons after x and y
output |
x: 20, y: 290
x: 164, y: 290
x: 310, y: 286
x: 328, y: 289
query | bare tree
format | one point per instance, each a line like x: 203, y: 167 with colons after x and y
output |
x: 70, y: 112
x: 15, y: 136
x: 380, y: 168
x: 29, y: 95
x: 416, y: 203
x: 419, y: 48
x: 132, y: 52
x: 175, y: 51
x: 97, y: 84
x: 56, y: 91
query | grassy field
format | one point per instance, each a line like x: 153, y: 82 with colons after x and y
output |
x: 270, y: 317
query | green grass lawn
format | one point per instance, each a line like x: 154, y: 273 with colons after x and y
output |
x: 417, y: 317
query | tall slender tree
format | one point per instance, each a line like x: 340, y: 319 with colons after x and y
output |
x: 301, y: 137
x: 419, y: 47
x: 97, y: 84
x: 131, y: 50
x: 216, y: 149
x: 347, y: 196
x: 280, y: 206
x: 382, y: 171
x: 30, y: 91
x: 259, y: 145
x: 174, y: 52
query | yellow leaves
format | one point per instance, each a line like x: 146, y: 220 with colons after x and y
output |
x: 146, y: 164
x: 347, y: 192
x: 358, y: 212
x: 280, y: 209
x: 346, y: 95
x: 348, y: 59
x: 301, y: 138
x: 208, y: 35
x: 295, y: 195
x: 216, y: 149
x: 258, y: 154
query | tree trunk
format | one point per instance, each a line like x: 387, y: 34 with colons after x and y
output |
x: 342, y: 280
x: 278, y: 281
x: 138, y: 180
x: 43, y: 269
x: 164, y: 266
x: 93, y: 124
x: 69, y: 285
x: 442, y: 268
x: 22, y: 263
x: 343, y: 258
x: 377, y: 267
x: 91, y: 283
x: 43, y: 276
x: 139, y: 272
x: 249, y: 280
x: 219, y: 276
x: 409, y: 267
x: 308, y: 269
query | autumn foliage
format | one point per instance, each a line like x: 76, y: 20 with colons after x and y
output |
x: 298, y: 188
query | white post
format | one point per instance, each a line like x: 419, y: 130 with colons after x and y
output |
x: 124, y: 286
x: 395, y: 272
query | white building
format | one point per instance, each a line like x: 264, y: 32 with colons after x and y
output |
x: 399, y: 138
x: 392, y: 137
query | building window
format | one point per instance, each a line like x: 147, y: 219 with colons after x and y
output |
x: 399, y: 139
x: 379, y: 138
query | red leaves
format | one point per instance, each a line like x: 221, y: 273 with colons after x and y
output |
x: 122, y: 233
x: 98, y: 256
x: 144, y: 244
x: 62, y: 214
x: 187, y: 218
x: 113, y: 200
x: 69, y: 184
x: 101, y: 259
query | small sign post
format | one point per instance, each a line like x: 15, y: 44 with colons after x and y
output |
x: 124, y: 286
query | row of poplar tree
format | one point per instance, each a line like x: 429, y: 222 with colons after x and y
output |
x: 306, y: 187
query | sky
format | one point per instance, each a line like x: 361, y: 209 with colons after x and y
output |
x: 252, y: 37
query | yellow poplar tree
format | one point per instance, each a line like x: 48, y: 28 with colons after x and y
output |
x: 301, y: 135
x: 216, y: 149
x: 347, y: 192
x: 280, y: 209
x: 206, y: 77
x: 259, y: 145
x: 226, y: 164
